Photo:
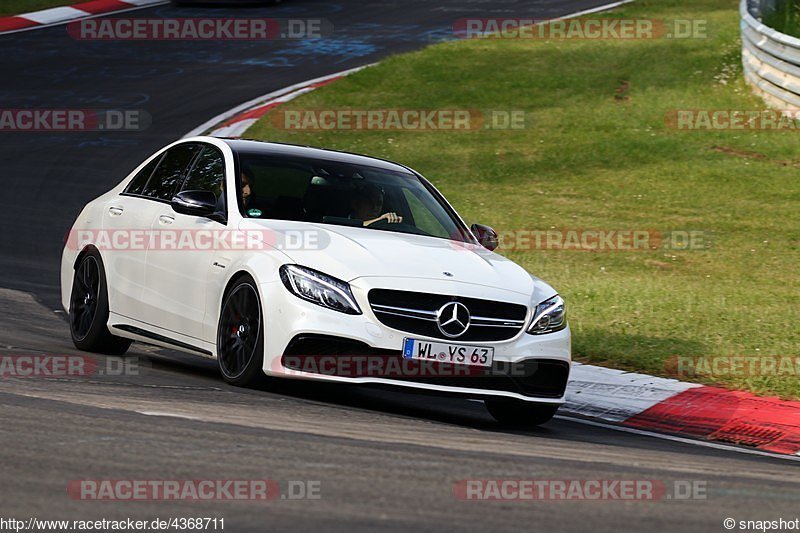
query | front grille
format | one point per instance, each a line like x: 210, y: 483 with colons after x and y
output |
x: 537, y: 378
x: 540, y: 378
x: 415, y: 312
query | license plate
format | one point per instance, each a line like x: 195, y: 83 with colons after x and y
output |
x: 447, y: 353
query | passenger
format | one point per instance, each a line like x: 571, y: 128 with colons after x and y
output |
x: 367, y: 205
x: 248, y: 189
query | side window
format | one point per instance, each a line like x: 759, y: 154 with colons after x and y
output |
x: 171, y: 172
x: 275, y: 188
x: 208, y: 174
x: 136, y: 186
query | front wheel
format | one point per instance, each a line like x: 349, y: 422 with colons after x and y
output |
x: 88, y: 309
x: 240, y: 336
x: 517, y: 413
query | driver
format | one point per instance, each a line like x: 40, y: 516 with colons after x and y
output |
x: 367, y: 205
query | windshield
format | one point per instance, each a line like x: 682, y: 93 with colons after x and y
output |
x: 343, y: 194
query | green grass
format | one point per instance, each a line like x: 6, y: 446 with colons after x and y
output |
x: 15, y: 7
x: 590, y: 159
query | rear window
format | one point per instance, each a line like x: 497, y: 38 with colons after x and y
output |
x: 137, y: 184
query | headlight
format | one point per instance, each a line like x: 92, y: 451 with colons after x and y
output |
x: 320, y: 289
x: 550, y: 316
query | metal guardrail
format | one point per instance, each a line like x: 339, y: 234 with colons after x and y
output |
x: 771, y: 60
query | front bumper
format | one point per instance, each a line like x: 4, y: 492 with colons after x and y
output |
x: 527, y: 367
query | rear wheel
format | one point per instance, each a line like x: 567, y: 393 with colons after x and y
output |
x: 517, y: 413
x: 240, y: 336
x: 88, y: 309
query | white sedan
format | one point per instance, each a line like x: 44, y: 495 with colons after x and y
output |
x: 287, y: 261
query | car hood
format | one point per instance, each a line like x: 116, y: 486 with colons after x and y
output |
x: 350, y: 253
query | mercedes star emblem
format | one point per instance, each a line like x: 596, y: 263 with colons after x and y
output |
x: 453, y: 319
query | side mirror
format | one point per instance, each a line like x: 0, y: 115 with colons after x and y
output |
x: 197, y: 203
x: 485, y: 235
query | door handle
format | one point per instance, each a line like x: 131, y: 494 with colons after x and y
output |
x: 166, y: 219
x: 116, y: 211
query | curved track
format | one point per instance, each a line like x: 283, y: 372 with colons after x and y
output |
x: 385, y: 460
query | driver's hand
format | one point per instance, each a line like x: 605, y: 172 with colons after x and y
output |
x: 392, y: 218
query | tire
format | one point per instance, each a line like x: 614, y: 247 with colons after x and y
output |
x: 517, y: 413
x: 240, y: 336
x: 88, y: 309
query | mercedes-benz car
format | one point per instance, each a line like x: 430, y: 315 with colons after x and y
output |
x: 297, y: 262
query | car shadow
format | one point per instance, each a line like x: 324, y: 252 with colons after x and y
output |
x: 446, y: 409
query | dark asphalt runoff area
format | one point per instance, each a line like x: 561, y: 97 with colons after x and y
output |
x: 381, y: 460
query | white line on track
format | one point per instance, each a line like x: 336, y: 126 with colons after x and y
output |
x: 222, y: 117
x: 674, y: 438
x: 612, y: 427
x: 597, y: 9
x: 172, y: 415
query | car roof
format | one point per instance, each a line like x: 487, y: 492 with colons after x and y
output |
x: 253, y: 147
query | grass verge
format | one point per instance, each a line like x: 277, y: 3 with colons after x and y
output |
x: 597, y: 153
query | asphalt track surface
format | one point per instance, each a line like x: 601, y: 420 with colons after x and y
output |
x: 384, y: 460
